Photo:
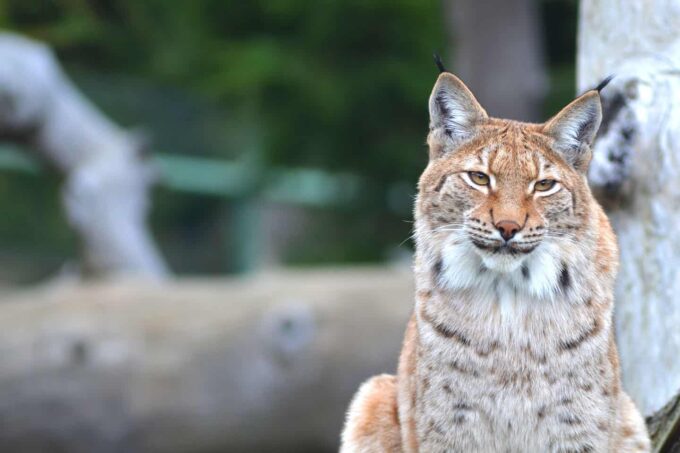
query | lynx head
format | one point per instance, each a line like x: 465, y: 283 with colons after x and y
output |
x: 501, y: 195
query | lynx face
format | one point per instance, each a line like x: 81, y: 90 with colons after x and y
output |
x: 510, y: 194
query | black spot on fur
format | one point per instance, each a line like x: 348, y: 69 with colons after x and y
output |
x: 565, y: 278
x: 444, y: 330
x: 459, y: 419
x: 570, y: 419
x: 432, y: 426
x: 437, y: 270
x: 575, y: 343
x: 587, y: 448
x: 451, y: 333
x: 525, y: 272
x: 481, y: 245
x: 460, y: 368
x: 486, y: 349
x: 441, y: 182
x: 541, y: 412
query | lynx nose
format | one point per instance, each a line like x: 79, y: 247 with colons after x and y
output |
x: 507, y: 228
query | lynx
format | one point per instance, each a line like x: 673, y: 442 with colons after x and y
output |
x: 510, y: 347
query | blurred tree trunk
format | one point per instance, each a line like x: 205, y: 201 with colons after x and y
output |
x: 107, y: 177
x: 635, y: 172
x: 498, y: 48
x: 266, y: 364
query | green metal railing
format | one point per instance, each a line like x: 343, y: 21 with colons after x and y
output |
x: 244, y: 185
x: 215, y: 177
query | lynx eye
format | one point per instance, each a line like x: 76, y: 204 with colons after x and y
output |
x: 544, y: 185
x: 479, y: 178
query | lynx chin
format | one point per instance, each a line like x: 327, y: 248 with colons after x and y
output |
x: 510, y: 347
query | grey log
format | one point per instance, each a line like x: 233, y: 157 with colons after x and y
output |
x: 264, y: 364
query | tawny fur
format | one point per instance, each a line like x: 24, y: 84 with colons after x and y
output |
x: 510, y: 347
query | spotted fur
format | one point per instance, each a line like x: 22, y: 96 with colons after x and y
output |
x: 510, y: 347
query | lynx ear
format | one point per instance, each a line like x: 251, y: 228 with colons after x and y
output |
x: 574, y: 129
x: 454, y: 109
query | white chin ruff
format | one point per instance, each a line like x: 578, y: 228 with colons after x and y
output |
x: 535, y: 274
x: 503, y: 262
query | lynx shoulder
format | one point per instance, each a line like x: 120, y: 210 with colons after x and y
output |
x: 510, y: 347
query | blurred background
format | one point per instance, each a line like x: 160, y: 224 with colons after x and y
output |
x: 286, y: 132
x: 206, y: 205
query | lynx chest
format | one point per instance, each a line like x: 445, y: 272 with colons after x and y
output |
x: 504, y: 378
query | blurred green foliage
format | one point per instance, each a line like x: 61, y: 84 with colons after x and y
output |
x: 333, y: 84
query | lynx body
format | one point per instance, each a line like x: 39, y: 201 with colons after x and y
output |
x: 510, y: 347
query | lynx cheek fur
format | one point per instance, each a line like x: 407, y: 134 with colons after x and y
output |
x: 510, y: 347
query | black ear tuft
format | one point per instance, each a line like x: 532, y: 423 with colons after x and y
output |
x: 604, y: 83
x: 438, y: 62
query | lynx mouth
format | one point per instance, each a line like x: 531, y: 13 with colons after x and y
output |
x: 504, y: 248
